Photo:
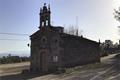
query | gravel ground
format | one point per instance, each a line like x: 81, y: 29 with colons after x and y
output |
x: 108, y: 69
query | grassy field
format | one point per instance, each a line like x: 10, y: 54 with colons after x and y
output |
x: 6, y: 69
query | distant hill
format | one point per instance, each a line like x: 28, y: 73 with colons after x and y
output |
x: 16, y: 53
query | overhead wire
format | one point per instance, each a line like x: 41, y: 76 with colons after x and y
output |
x: 14, y: 34
x: 13, y: 40
x: 20, y: 34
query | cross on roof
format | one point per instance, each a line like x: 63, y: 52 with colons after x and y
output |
x: 44, y: 4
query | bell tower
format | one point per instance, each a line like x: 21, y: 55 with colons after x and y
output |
x: 45, y: 16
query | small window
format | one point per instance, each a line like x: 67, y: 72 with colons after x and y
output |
x: 46, y: 22
x: 43, y: 40
x: 42, y: 24
x: 56, y: 40
x: 55, y: 58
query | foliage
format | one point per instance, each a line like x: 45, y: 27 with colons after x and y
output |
x: 108, y: 47
x: 73, y: 31
x: 12, y: 59
x: 117, y: 14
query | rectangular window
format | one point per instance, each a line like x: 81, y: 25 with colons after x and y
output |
x: 42, y: 24
x: 55, y: 58
x: 46, y: 22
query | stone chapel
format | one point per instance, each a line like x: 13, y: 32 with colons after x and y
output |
x: 51, y: 48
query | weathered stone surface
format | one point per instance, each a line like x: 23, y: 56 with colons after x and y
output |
x: 52, y: 49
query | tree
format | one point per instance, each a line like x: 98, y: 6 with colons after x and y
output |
x: 117, y: 14
x: 73, y: 31
x: 108, y: 43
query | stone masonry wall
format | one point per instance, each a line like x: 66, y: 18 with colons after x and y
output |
x: 79, y: 51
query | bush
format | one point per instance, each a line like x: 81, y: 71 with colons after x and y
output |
x: 13, y: 59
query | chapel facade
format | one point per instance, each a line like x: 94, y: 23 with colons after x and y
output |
x: 51, y: 48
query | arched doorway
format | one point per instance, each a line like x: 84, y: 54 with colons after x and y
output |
x: 43, y: 61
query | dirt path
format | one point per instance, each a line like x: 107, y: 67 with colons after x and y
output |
x: 108, y: 69
x: 14, y: 68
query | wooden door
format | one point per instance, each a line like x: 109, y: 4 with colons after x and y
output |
x: 43, y: 61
